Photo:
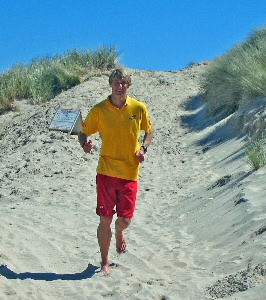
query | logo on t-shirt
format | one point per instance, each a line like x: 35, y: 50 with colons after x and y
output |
x: 133, y: 117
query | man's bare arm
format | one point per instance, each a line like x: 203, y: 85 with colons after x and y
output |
x: 148, y: 138
x: 82, y: 138
x: 86, y: 145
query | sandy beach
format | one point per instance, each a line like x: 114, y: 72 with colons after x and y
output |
x: 199, y: 227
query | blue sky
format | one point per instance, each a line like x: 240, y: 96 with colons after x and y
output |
x: 149, y: 34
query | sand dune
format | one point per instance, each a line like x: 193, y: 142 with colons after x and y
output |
x: 199, y: 228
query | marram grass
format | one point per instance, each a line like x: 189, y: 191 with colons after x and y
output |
x: 256, y: 153
x: 237, y: 77
x: 44, y: 78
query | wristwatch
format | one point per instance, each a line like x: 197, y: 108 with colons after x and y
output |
x: 145, y: 149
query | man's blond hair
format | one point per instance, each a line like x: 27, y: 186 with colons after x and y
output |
x: 119, y: 74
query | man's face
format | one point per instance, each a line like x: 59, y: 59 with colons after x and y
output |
x: 119, y: 87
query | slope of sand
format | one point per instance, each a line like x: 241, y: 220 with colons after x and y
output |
x: 199, y: 228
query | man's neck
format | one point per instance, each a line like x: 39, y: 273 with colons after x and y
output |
x: 118, y: 101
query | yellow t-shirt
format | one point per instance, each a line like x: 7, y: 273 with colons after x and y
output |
x: 119, y: 130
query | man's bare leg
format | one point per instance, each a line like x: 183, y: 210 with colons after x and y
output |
x: 104, y: 235
x: 120, y: 225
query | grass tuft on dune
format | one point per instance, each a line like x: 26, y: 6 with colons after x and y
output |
x: 44, y: 78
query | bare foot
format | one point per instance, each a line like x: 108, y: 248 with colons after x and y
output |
x: 121, y: 245
x: 105, y: 269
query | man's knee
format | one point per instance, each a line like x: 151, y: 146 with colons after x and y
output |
x: 122, y: 223
x: 106, y: 221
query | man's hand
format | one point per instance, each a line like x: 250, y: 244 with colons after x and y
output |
x: 140, y: 155
x: 87, y: 146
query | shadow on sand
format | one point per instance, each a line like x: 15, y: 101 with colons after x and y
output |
x: 198, y: 120
x: 87, y: 273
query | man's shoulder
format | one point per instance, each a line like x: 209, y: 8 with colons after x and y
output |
x: 136, y: 102
x: 100, y: 104
x: 132, y: 99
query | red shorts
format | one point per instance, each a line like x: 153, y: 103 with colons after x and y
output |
x: 115, y: 195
